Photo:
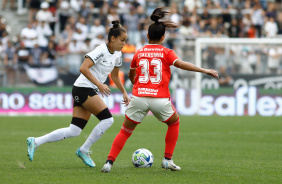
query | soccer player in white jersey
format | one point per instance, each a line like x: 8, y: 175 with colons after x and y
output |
x: 98, y: 64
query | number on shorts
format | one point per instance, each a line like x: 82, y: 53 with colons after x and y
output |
x: 157, y: 64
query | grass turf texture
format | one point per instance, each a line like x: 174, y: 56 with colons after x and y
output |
x: 209, y: 150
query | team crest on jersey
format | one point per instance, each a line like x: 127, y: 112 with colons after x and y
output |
x: 99, y: 56
x: 76, y: 98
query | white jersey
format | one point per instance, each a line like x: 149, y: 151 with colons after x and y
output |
x: 104, y: 63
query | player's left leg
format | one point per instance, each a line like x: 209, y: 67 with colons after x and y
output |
x: 97, y: 107
x: 164, y: 111
x: 170, y: 143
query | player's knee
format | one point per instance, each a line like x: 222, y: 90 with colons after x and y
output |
x: 105, y: 114
x: 171, y: 123
x: 74, y: 131
x: 76, y: 126
x: 110, y: 121
x: 106, y: 119
x: 105, y: 124
x: 79, y: 122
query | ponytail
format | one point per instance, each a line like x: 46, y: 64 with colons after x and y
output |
x: 157, y: 29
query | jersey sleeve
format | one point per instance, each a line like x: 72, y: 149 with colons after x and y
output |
x: 133, y: 62
x: 118, y: 62
x: 171, y: 57
x: 96, y: 55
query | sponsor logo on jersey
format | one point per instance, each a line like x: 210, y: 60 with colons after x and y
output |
x: 104, y: 61
x: 153, y: 54
x: 153, y: 49
x: 99, y: 56
x: 148, y: 91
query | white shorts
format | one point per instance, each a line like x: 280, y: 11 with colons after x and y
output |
x: 138, y: 108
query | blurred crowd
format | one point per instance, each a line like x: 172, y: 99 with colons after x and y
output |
x: 60, y: 32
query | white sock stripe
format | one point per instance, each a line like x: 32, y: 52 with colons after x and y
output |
x: 127, y: 129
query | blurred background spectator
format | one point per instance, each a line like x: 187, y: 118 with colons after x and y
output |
x: 10, y: 62
x: 224, y: 79
x: 12, y: 4
x: 128, y: 51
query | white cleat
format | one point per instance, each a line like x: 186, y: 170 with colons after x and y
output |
x: 106, y: 168
x: 168, y: 164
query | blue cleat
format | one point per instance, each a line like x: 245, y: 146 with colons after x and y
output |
x: 31, y: 146
x: 85, y: 157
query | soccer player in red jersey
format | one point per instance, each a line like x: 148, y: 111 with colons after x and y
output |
x: 150, y: 73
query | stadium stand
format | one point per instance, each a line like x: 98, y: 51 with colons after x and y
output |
x: 52, y: 31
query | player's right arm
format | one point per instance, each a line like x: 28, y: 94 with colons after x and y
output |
x: 132, y: 71
x: 84, y: 69
x: 131, y: 75
x: 190, y: 67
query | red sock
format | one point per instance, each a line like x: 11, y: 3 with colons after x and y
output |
x: 119, y: 142
x: 171, y: 138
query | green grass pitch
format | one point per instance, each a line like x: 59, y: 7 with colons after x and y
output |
x: 209, y: 150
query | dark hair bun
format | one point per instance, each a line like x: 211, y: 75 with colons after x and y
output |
x: 115, y: 24
x: 155, y: 18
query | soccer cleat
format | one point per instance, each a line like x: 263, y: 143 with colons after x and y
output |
x: 168, y: 164
x: 106, y: 168
x: 31, y: 146
x: 85, y: 157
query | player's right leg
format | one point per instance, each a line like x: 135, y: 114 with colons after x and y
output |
x: 119, y: 142
x: 79, y: 120
x: 136, y: 111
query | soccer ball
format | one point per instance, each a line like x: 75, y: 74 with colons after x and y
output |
x: 142, y: 158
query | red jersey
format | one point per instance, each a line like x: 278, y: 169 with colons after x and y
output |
x: 152, y: 71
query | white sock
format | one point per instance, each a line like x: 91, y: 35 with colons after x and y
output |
x: 96, y: 133
x: 59, y: 134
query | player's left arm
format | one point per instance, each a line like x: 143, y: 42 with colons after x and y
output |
x: 117, y: 81
x: 190, y: 67
x: 173, y: 59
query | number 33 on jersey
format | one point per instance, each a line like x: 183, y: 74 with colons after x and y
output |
x: 152, y: 64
